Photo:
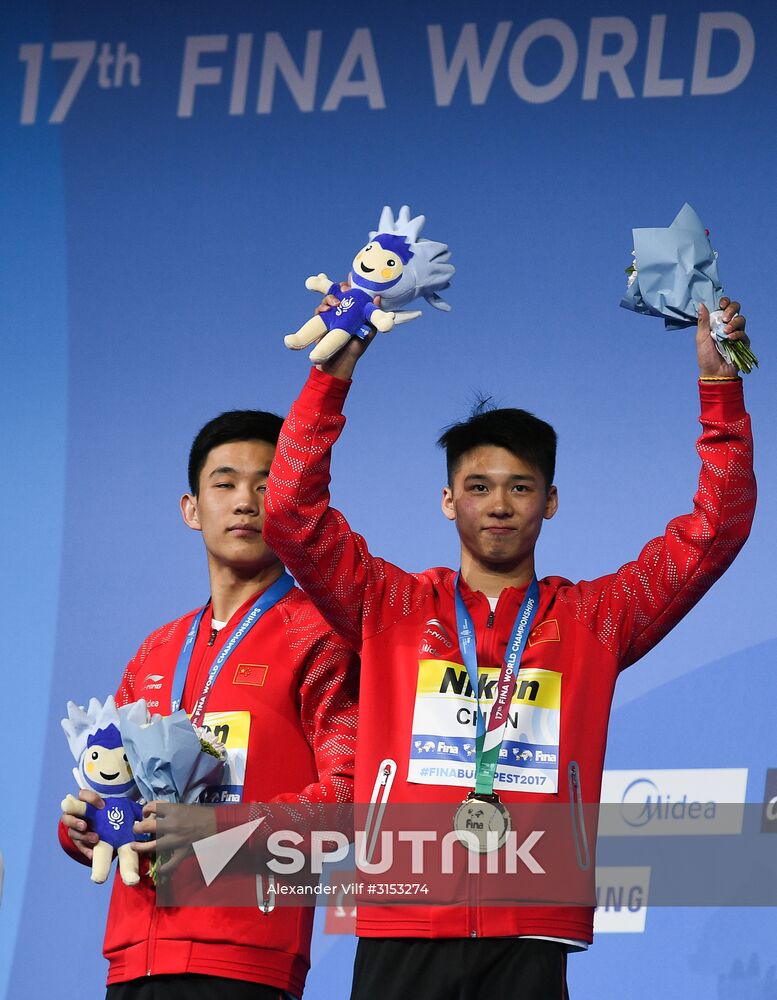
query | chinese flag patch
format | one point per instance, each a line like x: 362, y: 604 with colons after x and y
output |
x: 250, y: 673
x: 546, y: 631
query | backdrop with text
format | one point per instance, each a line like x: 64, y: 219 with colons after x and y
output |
x: 171, y: 176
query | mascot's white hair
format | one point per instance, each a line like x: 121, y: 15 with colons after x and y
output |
x: 428, y: 271
x: 81, y: 723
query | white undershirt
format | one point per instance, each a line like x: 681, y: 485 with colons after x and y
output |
x: 217, y: 626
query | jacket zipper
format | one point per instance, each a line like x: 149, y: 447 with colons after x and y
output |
x: 474, y: 882
x: 578, y: 817
x: 474, y: 901
x: 489, y: 650
x: 152, y: 929
x: 384, y: 779
x: 264, y: 901
x: 199, y: 672
x: 151, y: 941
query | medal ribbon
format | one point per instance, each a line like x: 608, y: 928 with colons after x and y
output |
x: 262, y: 604
x: 489, y: 738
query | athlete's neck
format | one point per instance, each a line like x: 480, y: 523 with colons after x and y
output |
x: 491, y: 580
x: 229, y: 587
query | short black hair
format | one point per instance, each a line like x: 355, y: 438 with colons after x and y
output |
x: 234, y: 425
x: 518, y: 431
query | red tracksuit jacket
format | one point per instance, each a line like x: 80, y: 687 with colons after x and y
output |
x: 296, y: 679
x: 404, y: 625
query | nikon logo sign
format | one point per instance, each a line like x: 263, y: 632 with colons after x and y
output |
x: 458, y: 682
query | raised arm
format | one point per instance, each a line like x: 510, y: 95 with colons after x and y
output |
x: 331, y: 563
x: 631, y: 610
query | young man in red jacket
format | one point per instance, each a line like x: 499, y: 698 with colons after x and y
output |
x: 543, y: 662
x: 283, y: 703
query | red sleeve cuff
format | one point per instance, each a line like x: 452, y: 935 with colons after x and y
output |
x: 722, y: 400
x: 67, y: 844
x: 324, y: 393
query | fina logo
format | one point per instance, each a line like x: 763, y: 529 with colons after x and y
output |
x: 658, y: 807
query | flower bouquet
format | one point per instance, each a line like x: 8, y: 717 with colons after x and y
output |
x: 675, y: 270
x: 171, y: 760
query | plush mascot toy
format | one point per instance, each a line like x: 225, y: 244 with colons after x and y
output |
x: 396, y: 265
x: 96, y: 743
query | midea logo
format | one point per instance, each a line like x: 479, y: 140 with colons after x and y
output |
x: 643, y: 803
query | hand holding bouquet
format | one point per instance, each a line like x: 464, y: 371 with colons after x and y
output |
x: 675, y: 270
x: 171, y: 760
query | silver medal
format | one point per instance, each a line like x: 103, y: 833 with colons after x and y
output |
x: 483, y: 821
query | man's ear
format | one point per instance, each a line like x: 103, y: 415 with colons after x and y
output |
x: 551, y: 503
x: 448, y: 506
x: 189, y: 512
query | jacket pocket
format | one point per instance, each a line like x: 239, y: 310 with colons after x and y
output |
x: 265, y: 898
x: 579, y: 834
x: 381, y: 790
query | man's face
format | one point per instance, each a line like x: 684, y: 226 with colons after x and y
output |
x: 498, y: 502
x: 229, y: 509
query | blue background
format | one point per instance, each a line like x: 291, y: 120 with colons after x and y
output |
x: 151, y: 265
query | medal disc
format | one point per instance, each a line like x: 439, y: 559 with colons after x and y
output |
x: 484, y: 819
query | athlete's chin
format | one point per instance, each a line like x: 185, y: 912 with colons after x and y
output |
x: 246, y: 557
x: 501, y: 550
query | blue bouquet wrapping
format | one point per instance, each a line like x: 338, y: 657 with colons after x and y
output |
x: 675, y: 270
x: 170, y: 760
